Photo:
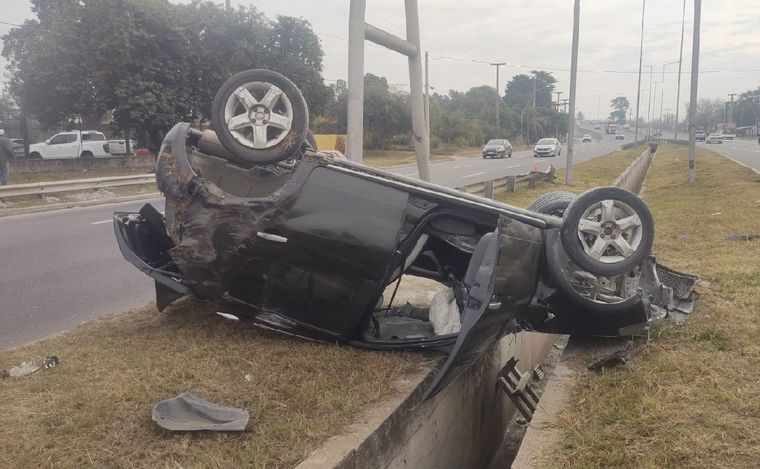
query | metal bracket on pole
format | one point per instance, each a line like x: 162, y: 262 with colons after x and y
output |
x: 358, y: 32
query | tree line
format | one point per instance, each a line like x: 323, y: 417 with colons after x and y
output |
x: 140, y: 66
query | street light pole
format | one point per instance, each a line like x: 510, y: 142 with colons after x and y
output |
x: 662, y: 89
x: 680, y: 61
x: 573, y: 79
x: 693, y: 92
x: 649, y: 100
x: 498, y: 95
x: 638, y: 86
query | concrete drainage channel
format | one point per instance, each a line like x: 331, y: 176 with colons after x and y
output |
x: 472, y: 423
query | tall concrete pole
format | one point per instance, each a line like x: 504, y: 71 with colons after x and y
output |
x: 693, y: 92
x: 638, y: 86
x: 598, y: 102
x: 355, y: 110
x: 573, y: 79
x: 427, y: 100
x: 680, y: 61
x: 498, y: 96
x: 419, y: 127
x: 649, y: 103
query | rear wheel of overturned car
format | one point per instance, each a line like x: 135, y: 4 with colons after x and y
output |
x: 260, y: 117
x: 555, y: 203
x: 607, y: 231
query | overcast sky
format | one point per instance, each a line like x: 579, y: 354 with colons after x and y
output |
x: 530, y: 34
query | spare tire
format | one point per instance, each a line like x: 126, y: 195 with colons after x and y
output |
x: 260, y: 117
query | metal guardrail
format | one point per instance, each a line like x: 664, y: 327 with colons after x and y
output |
x: 508, y: 183
x: 54, y: 187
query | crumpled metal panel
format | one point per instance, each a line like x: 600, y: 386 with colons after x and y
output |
x: 188, y: 413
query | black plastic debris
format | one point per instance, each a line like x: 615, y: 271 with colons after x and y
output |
x: 609, y: 360
x: 189, y: 413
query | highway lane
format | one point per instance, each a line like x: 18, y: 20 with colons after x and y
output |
x: 746, y: 151
x: 61, y: 268
x: 469, y: 170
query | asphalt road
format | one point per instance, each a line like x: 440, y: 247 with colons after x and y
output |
x: 744, y: 151
x: 469, y: 170
x: 63, y: 267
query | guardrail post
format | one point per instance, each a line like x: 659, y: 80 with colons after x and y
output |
x: 551, y: 174
x: 488, y: 189
x: 511, y: 182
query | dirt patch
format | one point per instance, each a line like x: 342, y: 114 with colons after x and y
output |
x: 94, y: 409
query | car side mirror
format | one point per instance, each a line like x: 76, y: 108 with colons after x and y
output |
x: 47, y: 142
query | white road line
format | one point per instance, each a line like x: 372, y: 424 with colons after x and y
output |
x: 474, y: 174
x: 101, y: 222
x: 460, y: 166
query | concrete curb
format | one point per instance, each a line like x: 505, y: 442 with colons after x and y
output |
x: 740, y: 163
x: 65, y: 205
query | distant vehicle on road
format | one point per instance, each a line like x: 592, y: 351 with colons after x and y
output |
x: 626, y: 126
x: 586, y: 138
x: 619, y: 137
x: 497, y: 147
x: 597, y: 126
x: 714, y: 138
x: 119, y: 147
x: 84, y: 144
x: 547, y: 147
x: 729, y: 136
x: 18, y: 147
x: 611, y: 128
x: 700, y: 135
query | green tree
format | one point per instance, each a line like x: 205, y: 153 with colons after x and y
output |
x: 619, y: 106
x: 580, y: 117
x: 148, y: 62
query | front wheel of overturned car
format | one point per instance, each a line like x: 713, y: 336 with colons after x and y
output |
x: 260, y: 117
x: 607, y: 231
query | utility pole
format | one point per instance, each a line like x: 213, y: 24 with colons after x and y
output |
x: 356, y: 34
x: 498, y: 95
x: 573, y: 79
x: 638, y: 86
x: 558, y: 93
x: 693, y: 92
x: 564, y: 105
x: 730, y: 117
x: 649, y: 101
x: 227, y: 5
x: 662, y: 89
x: 680, y: 60
x: 427, y: 100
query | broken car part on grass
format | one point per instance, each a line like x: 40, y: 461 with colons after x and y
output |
x: 190, y: 413
x: 305, y: 242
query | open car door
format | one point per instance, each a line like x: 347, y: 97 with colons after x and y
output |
x: 502, y: 279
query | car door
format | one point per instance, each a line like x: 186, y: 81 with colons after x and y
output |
x: 62, y: 146
x: 504, y: 285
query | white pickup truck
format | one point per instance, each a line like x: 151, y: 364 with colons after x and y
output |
x: 84, y: 144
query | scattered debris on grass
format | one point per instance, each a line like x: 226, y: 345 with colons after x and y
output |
x: 189, y: 413
x: 742, y: 237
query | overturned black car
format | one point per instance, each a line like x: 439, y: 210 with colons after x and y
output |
x: 306, y: 242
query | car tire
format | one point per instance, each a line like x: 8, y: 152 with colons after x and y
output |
x: 573, y: 245
x: 87, y: 155
x: 553, y: 203
x: 510, y: 154
x: 35, y: 156
x: 286, y: 142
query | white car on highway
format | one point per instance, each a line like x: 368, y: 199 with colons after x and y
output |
x: 586, y: 138
x: 84, y: 144
x: 547, y: 147
x: 714, y: 138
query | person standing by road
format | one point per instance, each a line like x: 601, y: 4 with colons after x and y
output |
x: 6, y: 154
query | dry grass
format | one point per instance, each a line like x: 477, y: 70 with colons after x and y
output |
x: 94, y: 409
x: 692, y: 399
x: 600, y: 171
x: 24, y: 178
